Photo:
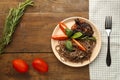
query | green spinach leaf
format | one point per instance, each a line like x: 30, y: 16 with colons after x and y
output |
x: 68, y: 45
x: 69, y: 32
x: 77, y: 35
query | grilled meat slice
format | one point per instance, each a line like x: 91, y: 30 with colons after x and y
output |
x: 83, y: 27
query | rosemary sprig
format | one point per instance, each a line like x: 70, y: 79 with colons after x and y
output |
x: 13, y: 18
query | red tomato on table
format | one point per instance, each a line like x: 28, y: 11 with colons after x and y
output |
x: 20, y: 65
x: 40, y: 65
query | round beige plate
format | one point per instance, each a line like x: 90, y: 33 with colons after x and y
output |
x: 69, y: 22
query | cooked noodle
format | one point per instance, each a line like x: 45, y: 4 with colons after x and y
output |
x: 76, y: 55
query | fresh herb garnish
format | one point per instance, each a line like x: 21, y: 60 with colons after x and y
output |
x: 68, y: 45
x: 92, y: 38
x: 89, y: 38
x: 69, y: 32
x: 77, y: 35
x: 11, y: 23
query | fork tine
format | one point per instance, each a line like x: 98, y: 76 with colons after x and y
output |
x: 108, y: 22
x: 111, y: 22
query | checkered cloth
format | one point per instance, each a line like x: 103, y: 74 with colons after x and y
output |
x: 98, y: 9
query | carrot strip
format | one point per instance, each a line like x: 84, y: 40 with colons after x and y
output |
x: 59, y: 37
x: 79, y: 45
x: 63, y: 27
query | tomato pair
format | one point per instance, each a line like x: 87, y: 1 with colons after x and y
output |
x: 38, y: 64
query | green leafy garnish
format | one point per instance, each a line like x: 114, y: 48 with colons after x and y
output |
x: 68, y: 45
x: 11, y: 22
x: 92, y: 38
x: 89, y: 38
x: 77, y: 35
x: 69, y: 32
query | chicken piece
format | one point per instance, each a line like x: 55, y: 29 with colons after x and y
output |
x: 83, y: 27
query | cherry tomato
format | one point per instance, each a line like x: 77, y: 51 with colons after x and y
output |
x: 20, y: 65
x: 40, y: 65
x: 59, y: 37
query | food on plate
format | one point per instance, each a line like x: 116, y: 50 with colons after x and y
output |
x: 83, y: 27
x: 40, y: 65
x: 60, y: 37
x: 78, y: 45
x: 20, y: 65
x: 63, y: 27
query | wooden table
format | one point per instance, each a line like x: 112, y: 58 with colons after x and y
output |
x: 32, y: 39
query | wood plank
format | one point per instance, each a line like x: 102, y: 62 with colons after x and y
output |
x: 34, y: 32
x: 57, y: 70
x: 48, y: 5
x: 44, y: 16
x: 32, y: 39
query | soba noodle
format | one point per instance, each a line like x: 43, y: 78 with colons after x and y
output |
x: 76, y: 55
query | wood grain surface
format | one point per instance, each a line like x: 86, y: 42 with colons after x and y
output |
x: 32, y: 39
x: 57, y: 70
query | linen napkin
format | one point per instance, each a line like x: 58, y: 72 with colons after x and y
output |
x: 98, y: 9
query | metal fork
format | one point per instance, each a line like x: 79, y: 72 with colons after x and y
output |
x: 108, y: 28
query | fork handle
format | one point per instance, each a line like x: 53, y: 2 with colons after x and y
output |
x: 108, y: 59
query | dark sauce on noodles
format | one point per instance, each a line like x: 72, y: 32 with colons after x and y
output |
x: 78, y: 55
